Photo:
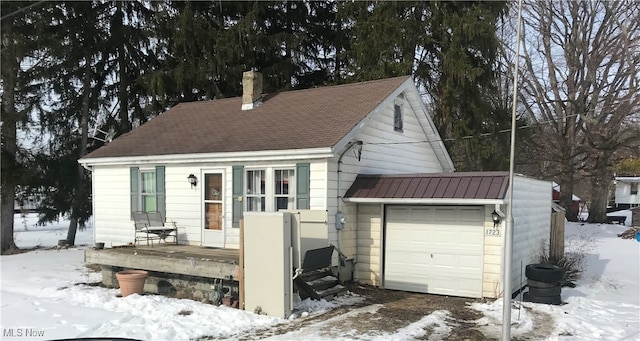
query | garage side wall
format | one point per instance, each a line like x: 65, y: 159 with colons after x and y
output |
x: 531, y: 224
x: 368, y: 268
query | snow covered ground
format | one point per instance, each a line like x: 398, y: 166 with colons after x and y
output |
x: 40, y: 300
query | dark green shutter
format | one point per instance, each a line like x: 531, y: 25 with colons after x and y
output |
x: 133, y: 182
x: 303, y: 184
x: 161, y: 202
x: 238, y: 192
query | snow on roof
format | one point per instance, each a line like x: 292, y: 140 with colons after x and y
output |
x: 627, y: 178
x: 556, y: 188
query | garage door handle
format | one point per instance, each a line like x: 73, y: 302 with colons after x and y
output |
x: 432, y: 255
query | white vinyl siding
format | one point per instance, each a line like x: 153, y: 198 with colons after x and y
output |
x: 531, y: 224
x: 368, y: 267
x: 111, y: 206
x: 384, y: 151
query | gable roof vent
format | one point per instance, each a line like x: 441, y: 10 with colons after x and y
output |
x: 251, y: 90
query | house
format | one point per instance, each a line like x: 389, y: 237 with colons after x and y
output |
x: 627, y: 195
x: 575, y: 200
x: 367, y: 154
x: 26, y: 200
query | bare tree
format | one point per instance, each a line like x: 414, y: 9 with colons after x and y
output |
x: 579, y: 82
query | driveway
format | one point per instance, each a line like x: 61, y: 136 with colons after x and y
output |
x: 388, y: 314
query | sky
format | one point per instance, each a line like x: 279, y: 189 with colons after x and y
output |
x: 44, y: 297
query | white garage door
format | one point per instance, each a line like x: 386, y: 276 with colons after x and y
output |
x: 434, y: 249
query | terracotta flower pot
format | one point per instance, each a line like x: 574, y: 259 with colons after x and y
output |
x: 131, y: 281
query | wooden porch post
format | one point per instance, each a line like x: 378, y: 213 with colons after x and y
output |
x: 556, y: 241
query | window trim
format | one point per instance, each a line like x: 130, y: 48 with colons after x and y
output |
x: 269, y: 195
x: 291, y: 188
x: 142, y: 194
x: 249, y: 196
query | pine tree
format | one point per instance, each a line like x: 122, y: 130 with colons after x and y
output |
x: 22, y: 91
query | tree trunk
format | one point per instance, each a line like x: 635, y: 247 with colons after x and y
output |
x: 123, y: 85
x: 600, y: 182
x: 10, y: 67
x: 6, y: 238
x: 80, y: 190
x: 566, y: 194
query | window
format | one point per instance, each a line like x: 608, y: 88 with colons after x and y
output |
x: 256, y: 197
x: 284, y: 183
x: 270, y: 190
x: 634, y: 188
x: 147, y: 189
x: 147, y: 199
x: 397, y: 117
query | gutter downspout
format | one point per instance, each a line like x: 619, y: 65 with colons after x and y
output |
x: 339, y: 214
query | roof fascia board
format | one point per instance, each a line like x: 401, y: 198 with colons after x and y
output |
x: 423, y: 201
x: 438, y: 144
x: 271, y: 155
x: 370, y: 116
x: 627, y: 178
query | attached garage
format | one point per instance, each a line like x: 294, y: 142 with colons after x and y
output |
x: 434, y: 249
x: 434, y: 233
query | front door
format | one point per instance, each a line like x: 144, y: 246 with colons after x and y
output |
x: 213, y: 217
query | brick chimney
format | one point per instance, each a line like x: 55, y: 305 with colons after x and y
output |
x: 251, y: 90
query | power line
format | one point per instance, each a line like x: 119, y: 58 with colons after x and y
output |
x: 473, y: 136
x: 21, y: 10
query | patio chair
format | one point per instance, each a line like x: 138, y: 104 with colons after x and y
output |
x: 150, y: 226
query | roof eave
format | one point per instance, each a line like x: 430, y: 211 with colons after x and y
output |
x: 436, y: 142
x: 425, y: 201
x: 268, y: 155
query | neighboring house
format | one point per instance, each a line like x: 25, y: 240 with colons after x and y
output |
x: 27, y: 202
x: 627, y: 191
x: 575, y: 200
x: 302, y: 150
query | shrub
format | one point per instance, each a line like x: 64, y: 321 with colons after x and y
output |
x: 574, y: 260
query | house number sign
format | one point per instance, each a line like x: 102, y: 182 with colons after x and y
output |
x: 492, y: 232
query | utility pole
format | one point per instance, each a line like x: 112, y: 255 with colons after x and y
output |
x: 508, y: 235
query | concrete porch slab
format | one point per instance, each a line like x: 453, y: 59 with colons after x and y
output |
x: 170, y: 258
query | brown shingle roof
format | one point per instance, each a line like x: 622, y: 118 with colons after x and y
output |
x: 311, y: 118
x: 462, y: 185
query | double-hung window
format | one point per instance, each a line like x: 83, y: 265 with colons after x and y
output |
x: 284, y: 181
x: 148, y: 202
x: 256, y: 188
x: 147, y: 189
x: 634, y: 188
x: 270, y: 190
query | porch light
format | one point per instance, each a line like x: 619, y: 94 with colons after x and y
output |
x: 192, y: 180
x: 496, y: 218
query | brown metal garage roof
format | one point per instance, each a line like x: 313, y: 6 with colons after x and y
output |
x: 458, y: 185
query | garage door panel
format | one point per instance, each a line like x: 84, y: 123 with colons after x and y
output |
x: 420, y: 215
x: 400, y: 214
x: 441, y: 255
